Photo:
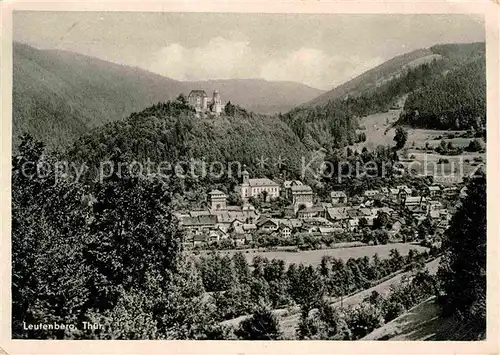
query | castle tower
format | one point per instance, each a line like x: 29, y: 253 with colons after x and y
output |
x: 217, y: 103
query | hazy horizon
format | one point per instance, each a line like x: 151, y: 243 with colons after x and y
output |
x: 275, y: 47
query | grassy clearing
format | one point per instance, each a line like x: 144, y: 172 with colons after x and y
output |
x: 313, y: 257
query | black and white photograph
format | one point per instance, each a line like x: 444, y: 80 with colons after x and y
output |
x: 248, y: 176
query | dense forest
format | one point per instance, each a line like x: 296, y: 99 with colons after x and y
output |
x: 454, y: 101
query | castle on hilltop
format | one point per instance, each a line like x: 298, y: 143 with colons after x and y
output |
x: 203, y: 105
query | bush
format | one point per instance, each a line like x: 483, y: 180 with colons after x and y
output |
x: 262, y: 325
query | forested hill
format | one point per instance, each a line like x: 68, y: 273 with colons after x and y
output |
x: 456, y: 100
x: 396, y: 69
x: 58, y: 95
x: 169, y: 133
x: 374, y: 78
x: 445, y: 86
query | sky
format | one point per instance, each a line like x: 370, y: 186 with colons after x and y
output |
x: 319, y: 50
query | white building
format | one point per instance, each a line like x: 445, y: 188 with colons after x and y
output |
x: 263, y: 187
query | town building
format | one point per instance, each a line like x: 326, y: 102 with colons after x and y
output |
x: 263, y: 187
x: 218, y: 200
x: 371, y: 193
x: 338, y: 197
x: 203, y: 105
x: 309, y: 212
x: 433, y: 190
x: 302, y: 197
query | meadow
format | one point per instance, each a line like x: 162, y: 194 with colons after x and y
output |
x: 313, y: 257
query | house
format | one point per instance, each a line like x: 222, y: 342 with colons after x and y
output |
x: 435, y: 215
x: 199, y: 225
x: 287, y: 186
x: 263, y: 187
x: 335, y: 214
x: 353, y: 224
x: 285, y: 230
x: 302, y: 196
x: 202, y: 212
x: 394, y: 194
x: 371, y: 193
x: 267, y: 225
x: 309, y: 212
x: 239, y: 239
x: 329, y: 230
x: 295, y: 223
x: 289, y: 212
x: 338, y: 197
x: 246, y: 214
x: 434, y: 205
x: 199, y: 239
x: 413, y: 201
x: 396, y: 226
x: 385, y: 190
x: 237, y: 226
x: 433, y: 190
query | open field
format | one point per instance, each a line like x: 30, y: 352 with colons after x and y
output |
x: 375, y: 129
x: 313, y: 257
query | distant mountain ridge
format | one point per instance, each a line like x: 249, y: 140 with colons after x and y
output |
x: 59, y: 95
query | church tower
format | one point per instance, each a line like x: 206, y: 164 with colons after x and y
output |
x: 245, y: 186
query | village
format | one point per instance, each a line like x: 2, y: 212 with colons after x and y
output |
x: 396, y: 212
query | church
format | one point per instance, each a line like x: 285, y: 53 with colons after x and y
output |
x: 200, y: 101
x: 258, y: 187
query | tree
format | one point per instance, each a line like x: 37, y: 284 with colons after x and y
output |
x: 241, y: 268
x: 306, y: 286
x: 475, y: 146
x: 381, y: 221
x: 262, y: 325
x: 229, y: 109
x: 381, y: 236
x: 182, y: 99
x: 400, y: 137
x: 463, y: 267
x: 363, y: 222
x: 327, y: 323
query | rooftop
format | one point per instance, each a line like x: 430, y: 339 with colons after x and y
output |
x: 199, y: 221
x: 216, y: 192
x: 198, y: 93
x: 301, y: 188
x: 262, y: 182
